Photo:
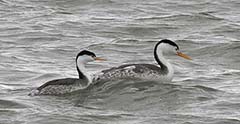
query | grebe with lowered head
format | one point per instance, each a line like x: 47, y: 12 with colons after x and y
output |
x: 163, y: 72
x: 67, y: 85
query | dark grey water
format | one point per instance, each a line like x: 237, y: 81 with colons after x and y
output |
x: 39, y: 40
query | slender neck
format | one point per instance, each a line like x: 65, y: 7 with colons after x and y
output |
x: 82, y: 72
x: 163, y: 62
x: 166, y: 67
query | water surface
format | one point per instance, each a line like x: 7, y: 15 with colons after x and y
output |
x: 40, y: 39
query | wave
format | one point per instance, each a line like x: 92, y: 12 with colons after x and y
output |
x: 134, y: 95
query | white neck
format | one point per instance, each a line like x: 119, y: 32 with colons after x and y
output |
x: 167, y: 64
x: 81, y: 66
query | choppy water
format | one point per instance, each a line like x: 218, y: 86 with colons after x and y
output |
x: 39, y: 41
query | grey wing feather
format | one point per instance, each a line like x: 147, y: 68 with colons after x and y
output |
x: 129, y: 71
x: 65, y: 81
x: 61, y: 86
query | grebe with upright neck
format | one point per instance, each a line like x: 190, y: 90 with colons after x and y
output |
x: 163, y: 72
x: 67, y: 85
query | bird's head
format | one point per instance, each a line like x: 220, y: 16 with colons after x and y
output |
x: 86, y: 56
x: 169, y: 47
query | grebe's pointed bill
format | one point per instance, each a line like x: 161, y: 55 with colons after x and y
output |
x: 183, y: 55
x: 99, y: 59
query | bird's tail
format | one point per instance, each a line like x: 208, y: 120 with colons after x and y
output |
x: 34, y: 92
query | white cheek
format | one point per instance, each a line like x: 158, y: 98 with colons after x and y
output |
x: 84, y: 59
x: 167, y: 49
x: 173, y: 51
x: 89, y: 59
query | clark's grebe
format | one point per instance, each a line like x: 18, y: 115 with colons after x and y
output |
x: 67, y: 85
x: 162, y: 72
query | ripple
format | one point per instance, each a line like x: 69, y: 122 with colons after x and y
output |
x: 39, y: 40
x: 10, y: 104
x: 4, y: 87
x: 207, y: 89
